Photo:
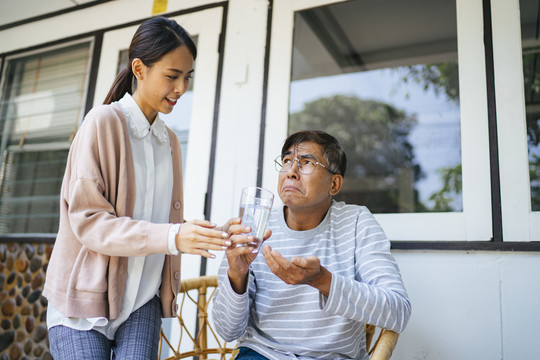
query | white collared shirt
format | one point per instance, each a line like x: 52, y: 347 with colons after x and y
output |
x: 152, y: 162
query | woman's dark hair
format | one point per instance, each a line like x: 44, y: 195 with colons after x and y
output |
x: 331, y: 148
x: 153, y: 39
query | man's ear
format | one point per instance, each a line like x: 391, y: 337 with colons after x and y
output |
x: 335, y: 185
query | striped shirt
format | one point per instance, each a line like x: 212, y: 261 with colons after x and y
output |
x: 282, y: 321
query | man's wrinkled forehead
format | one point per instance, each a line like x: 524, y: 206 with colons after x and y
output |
x: 304, y: 149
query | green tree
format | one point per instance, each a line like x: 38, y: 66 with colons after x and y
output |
x: 374, y: 135
x: 441, y: 78
x: 451, y: 178
x: 531, y: 77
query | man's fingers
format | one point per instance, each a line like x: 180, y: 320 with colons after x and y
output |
x: 279, y: 258
x: 234, y: 251
x: 299, y: 261
x: 239, y: 229
x: 275, y: 260
x: 241, y: 239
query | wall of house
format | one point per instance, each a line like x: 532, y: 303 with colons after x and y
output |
x: 470, y: 305
x: 466, y: 304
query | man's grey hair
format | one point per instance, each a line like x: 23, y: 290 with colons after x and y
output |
x: 332, y: 150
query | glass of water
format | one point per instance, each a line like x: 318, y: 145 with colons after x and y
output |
x: 255, y: 206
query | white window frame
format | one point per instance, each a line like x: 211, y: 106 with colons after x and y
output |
x: 53, y: 145
x: 475, y: 222
x: 519, y: 222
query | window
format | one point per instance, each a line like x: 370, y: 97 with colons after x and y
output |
x: 42, y: 102
x: 515, y: 57
x: 391, y: 97
x: 530, y: 28
x: 402, y: 85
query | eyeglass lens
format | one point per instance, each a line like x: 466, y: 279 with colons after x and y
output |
x: 305, y: 166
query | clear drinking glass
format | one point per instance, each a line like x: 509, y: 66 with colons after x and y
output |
x: 255, y: 206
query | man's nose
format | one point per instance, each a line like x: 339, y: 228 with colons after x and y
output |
x: 294, y: 170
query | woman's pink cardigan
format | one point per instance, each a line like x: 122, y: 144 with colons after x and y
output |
x: 86, y: 275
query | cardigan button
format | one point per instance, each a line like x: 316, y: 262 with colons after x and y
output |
x: 177, y: 275
x: 177, y: 205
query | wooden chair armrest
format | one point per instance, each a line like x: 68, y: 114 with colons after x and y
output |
x: 385, y: 345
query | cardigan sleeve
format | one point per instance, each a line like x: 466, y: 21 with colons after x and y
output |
x: 97, y: 191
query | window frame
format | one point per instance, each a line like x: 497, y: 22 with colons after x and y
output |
x: 52, y: 145
x: 475, y: 222
x: 519, y: 222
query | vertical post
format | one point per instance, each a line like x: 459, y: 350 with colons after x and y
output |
x: 203, y: 318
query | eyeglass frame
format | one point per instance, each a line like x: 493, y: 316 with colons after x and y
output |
x: 278, y: 161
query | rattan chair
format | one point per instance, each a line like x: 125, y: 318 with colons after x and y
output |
x: 384, y: 344
x: 200, y: 290
x: 196, y: 291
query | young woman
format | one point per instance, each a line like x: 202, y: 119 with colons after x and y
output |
x: 115, y: 268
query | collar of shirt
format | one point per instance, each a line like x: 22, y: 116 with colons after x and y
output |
x: 138, y: 123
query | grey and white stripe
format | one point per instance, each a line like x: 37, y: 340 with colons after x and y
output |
x: 283, y: 321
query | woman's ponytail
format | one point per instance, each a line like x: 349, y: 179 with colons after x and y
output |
x: 121, y: 85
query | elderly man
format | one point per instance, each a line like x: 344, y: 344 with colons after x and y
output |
x: 324, y: 273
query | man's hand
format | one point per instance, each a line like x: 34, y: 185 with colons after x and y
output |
x: 300, y: 270
x: 240, y: 254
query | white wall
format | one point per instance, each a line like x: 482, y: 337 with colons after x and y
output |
x: 471, y: 305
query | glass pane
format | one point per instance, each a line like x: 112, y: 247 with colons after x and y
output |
x: 178, y: 119
x: 386, y: 85
x: 30, y: 191
x: 530, y: 29
x: 41, y: 106
x: 42, y: 100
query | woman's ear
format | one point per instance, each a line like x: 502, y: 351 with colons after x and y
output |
x: 335, y: 186
x: 137, y: 66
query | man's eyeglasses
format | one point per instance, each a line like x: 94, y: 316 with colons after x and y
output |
x: 306, y: 165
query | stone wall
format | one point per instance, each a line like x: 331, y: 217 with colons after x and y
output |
x: 23, y: 310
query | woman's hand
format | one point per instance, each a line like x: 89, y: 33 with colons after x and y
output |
x: 198, y: 236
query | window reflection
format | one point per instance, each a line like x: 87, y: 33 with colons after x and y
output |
x: 387, y: 88
x: 530, y: 30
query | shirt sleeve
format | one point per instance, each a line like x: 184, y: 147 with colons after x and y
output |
x: 377, y: 295
x: 230, y: 312
x: 173, y: 231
